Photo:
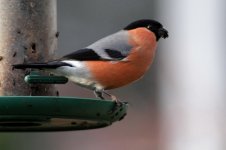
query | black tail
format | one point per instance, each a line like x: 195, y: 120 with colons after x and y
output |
x: 49, y: 65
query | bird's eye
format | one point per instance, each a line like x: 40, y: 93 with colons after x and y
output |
x: 149, y: 26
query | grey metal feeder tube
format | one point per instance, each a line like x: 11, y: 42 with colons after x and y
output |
x: 28, y: 33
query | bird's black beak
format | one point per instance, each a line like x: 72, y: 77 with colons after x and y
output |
x: 163, y: 33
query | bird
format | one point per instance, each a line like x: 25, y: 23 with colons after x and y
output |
x: 111, y: 62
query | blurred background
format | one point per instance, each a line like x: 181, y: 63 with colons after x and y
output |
x: 180, y: 102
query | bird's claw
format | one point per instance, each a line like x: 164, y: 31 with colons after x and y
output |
x: 118, y: 104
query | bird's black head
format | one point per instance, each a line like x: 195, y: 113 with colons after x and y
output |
x: 151, y: 25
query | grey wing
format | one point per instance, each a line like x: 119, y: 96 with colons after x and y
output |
x: 112, y: 47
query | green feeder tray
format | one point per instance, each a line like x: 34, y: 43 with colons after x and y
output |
x: 49, y: 113
x: 53, y: 113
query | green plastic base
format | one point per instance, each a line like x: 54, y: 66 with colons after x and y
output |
x: 43, y: 113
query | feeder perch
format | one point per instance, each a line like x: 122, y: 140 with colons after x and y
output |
x: 36, y: 78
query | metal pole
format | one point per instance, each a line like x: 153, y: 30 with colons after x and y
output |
x: 28, y: 33
x: 192, y: 75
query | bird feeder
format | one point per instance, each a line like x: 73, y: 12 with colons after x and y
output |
x: 28, y: 33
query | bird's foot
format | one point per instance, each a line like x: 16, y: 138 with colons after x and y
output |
x: 118, y: 103
x: 99, y: 94
x: 115, y: 99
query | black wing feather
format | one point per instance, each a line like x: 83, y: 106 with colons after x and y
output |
x: 49, y: 65
x: 88, y: 54
x: 114, y: 54
x: 82, y: 55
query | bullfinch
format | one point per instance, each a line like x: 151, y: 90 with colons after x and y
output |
x: 111, y: 62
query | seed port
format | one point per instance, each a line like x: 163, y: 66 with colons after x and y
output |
x: 33, y: 47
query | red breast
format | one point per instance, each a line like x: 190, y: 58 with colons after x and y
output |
x: 116, y: 74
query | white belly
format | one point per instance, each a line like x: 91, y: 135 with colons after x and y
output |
x: 78, y: 74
